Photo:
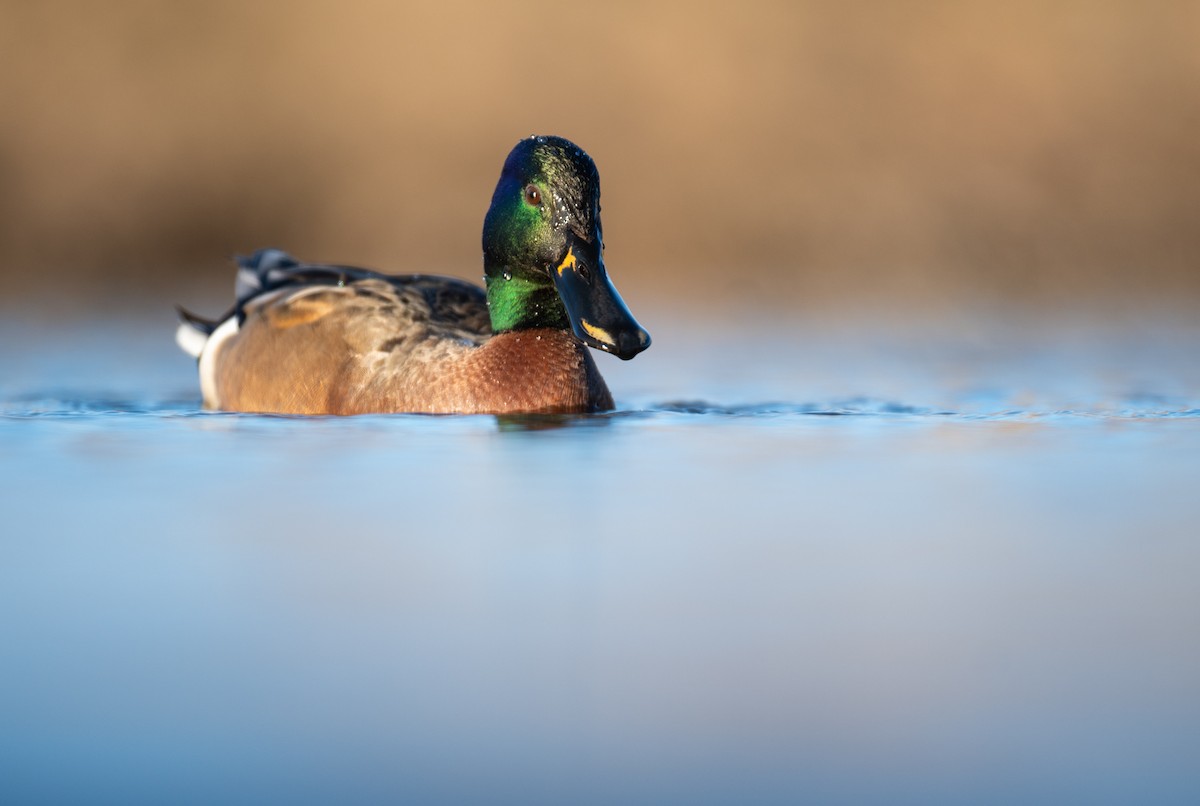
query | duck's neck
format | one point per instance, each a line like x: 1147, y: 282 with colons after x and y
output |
x: 540, y: 369
x: 516, y: 302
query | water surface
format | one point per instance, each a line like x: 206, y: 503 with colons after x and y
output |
x: 826, y: 564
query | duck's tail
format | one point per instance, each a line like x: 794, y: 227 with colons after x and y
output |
x: 193, y: 332
x: 256, y: 273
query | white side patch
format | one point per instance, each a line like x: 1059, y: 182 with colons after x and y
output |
x: 208, y: 361
x: 190, y: 340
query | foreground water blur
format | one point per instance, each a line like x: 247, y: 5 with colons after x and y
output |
x: 826, y: 564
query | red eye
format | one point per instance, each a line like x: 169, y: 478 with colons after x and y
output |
x: 533, y: 195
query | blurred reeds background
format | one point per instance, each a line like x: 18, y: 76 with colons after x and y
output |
x: 808, y: 154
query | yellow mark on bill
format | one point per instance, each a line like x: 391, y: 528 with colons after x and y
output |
x: 568, y: 262
x: 597, y: 333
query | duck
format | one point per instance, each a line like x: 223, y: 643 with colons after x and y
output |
x: 326, y: 339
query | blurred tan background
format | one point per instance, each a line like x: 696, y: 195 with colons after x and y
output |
x: 811, y: 154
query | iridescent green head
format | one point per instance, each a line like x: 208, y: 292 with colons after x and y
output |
x: 543, y: 250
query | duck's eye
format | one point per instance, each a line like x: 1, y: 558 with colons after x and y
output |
x: 533, y: 195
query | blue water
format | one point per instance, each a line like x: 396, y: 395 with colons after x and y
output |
x: 848, y: 562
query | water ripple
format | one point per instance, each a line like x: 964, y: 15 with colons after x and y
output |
x: 855, y: 407
x: 99, y: 407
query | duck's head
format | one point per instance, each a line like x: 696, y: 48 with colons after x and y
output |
x: 543, y: 250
